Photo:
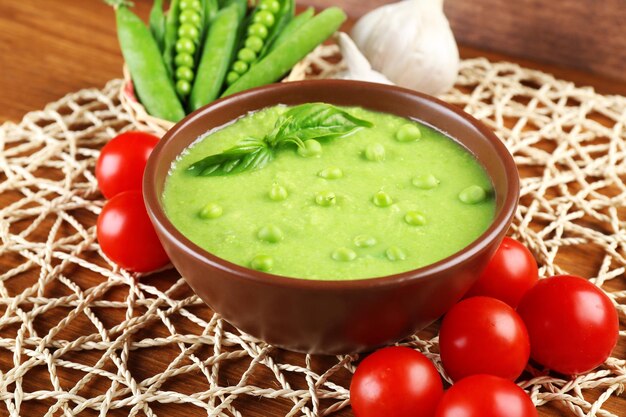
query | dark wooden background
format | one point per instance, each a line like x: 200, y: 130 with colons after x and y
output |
x: 49, y: 48
x: 586, y: 34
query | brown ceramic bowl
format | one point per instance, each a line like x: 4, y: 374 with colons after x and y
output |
x: 333, y: 317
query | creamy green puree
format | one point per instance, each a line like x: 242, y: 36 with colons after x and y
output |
x: 379, y: 201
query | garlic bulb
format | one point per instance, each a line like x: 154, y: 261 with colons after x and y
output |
x: 358, y: 66
x: 411, y: 43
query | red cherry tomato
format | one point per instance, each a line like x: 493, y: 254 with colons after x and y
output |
x: 572, y: 324
x: 126, y: 235
x: 395, y: 381
x: 485, y: 396
x: 482, y: 335
x: 509, y: 275
x: 122, y: 161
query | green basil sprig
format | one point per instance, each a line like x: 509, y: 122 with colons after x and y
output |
x: 248, y: 154
x: 295, y: 126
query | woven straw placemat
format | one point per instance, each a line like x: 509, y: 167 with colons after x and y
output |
x: 75, y: 331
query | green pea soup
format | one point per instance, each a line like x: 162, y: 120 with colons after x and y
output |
x: 382, y: 200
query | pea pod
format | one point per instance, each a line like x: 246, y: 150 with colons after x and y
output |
x: 285, y: 16
x: 146, y: 67
x: 266, y: 21
x: 280, y: 60
x: 170, y: 36
x: 216, y: 56
x: 241, y: 5
x: 190, y: 29
x: 292, y: 26
x: 211, y: 7
x: 157, y: 22
x: 209, y: 11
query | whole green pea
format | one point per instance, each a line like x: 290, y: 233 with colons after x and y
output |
x: 426, y: 181
x: 344, y: 254
x: 364, y: 241
x: 231, y: 77
x: 183, y: 87
x: 311, y: 148
x: 246, y: 55
x: 190, y: 16
x: 270, y: 233
x: 264, y: 17
x: 184, y: 73
x: 263, y: 263
x: 254, y: 43
x: 473, y: 194
x: 183, y: 60
x: 187, y: 30
x: 211, y: 211
x: 325, y: 198
x: 375, y: 152
x: 184, y: 45
x: 240, y: 67
x: 278, y: 193
x: 408, y: 133
x: 258, y: 30
x: 415, y: 218
x: 332, y: 173
x: 382, y: 199
x: 395, y: 253
x: 190, y: 5
x: 272, y: 5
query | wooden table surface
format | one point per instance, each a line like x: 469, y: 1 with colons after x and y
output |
x: 48, y: 49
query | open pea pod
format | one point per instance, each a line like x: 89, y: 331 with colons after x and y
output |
x: 281, y: 59
x: 170, y: 35
x: 262, y: 26
x: 287, y: 11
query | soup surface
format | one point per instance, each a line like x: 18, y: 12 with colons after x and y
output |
x: 381, y: 200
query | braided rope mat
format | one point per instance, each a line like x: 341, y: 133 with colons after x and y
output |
x: 80, y: 336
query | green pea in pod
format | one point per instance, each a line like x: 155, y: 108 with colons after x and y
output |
x: 267, y: 20
x: 285, y: 16
x: 190, y: 29
x: 281, y: 59
x: 170, y: 35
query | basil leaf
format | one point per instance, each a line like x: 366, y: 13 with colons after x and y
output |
x: 247, y: 155
x: 300, y: 123
x: 313, y: 121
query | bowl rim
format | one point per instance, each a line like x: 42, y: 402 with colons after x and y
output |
x: 498, y: 226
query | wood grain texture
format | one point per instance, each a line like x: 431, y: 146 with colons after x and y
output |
x: 586, y: 34
x: 50, y: 48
